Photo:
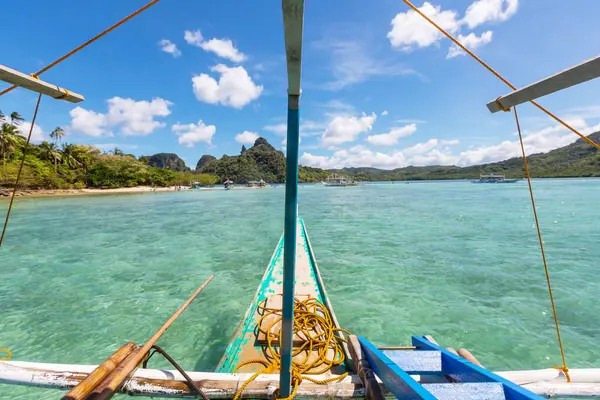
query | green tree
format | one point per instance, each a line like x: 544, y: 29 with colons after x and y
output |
x: 15, y: 118
x: 10, y: 140
x: 117, y: 151
x: 57, y: 134
x: 49, y: 152
x: 69, y: 156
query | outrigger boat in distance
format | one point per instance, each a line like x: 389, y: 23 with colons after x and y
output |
x: 335, y: 180
x: 494, y: 178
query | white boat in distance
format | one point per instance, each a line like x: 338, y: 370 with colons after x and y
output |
x: 339, y: 180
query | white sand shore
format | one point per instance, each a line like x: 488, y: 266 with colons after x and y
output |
x: 6, y: 193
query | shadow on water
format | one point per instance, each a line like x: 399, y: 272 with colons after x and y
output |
x: 213, y: 346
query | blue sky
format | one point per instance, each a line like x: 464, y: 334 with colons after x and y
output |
x: 380, y: 88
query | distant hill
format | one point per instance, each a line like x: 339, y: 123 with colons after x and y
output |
x: 579, y: 159
x: 170, y: 161
x: 261, y: 161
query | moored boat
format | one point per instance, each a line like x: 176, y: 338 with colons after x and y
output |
x: 494, y: 178
x: 335, y: 180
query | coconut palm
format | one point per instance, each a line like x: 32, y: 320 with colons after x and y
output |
x: 49, y: 151
x: 69, y: 156
x: 57, y: 134
x: 9, y: 139
x: 15, y: 118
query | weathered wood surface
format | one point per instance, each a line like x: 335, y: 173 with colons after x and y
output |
x: 581, y: 73
x: 37, y: 85
x: 85, y: 387
x: 363, y: 369
x: 170, y: 384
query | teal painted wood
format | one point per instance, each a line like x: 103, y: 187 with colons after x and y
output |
x: 401, y: 384
x: 272, y: 277
x: 464, y: 371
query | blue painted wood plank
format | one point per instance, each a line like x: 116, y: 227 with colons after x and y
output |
x: 465, y: 371
x: 417, y: 362
x: 462, y: 391
x: 401, y: 384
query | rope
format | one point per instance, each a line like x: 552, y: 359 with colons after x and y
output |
x: 489, y: 68
x: 12, y: 198
x: 92, y: 40
x: 190, y: 382
x: 8, y: 354
x: 539, y: 233
x: 314, y: 325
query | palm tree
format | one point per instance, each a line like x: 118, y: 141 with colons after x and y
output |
x: 117, y: 151
x: 49, y: 151
x: 15, y: 118
x: 69, y: 155
x: 9, y: 139
x: 57, y: 134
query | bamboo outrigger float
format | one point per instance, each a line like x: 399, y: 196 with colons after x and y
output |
x: 289, y: 343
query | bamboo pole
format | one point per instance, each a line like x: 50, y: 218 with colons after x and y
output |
x: 113, y: 381
x: 83, y: 389
x: 466, y: 354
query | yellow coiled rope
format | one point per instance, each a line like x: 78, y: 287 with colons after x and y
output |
x: 319, y: 335
x: 8, y: 354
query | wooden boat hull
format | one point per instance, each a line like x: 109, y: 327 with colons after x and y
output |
x: 243, y: 346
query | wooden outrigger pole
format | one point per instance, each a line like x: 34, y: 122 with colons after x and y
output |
x: 293, y: 18
x: 106, y: 380
x: 32, y: 83
x: 580, y: 73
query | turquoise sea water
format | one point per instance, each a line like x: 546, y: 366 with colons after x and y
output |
x: 459, y: 261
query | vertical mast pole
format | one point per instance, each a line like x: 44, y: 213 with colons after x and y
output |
x: 293, y: 17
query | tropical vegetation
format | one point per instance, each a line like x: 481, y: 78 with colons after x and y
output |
x: 61, y: 165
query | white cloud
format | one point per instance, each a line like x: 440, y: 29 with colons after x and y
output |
x: 169, y: 47
x: 193, y: 37
x: 471, y: 42
x: 384, y: 113
x: 279, y: 129
x: 89, y: 123
x: 421, y: 148
x: 352, y: 63
x: 409, y: 29
x: 246, y: 137
x: 37, y: 135
x: 223, y: 48
x: 132, y: 117
x: 190, y: 134
x: 137, y: 117
x: 482, y: 11
x: 234, y: 87
x: 539, y: 141
x: 346, y: 129
x: 391, y: 138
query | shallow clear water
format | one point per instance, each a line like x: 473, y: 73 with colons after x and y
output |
x: 83, y: 275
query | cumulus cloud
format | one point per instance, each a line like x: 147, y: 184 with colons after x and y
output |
x: 409, y: 29
x: 482, y: 11
x: 343, y: 129
x: 193, y: 37
x: 392, y: 137
x: 234, y: 88
x: 169, y: 47
x: 223, y: 48
x: 471, y: 42
x: 384, y: 113
x: 37, y: 134
x: 137, y: 117
x: 191, y: 134
x: 133, y: 118
x: 89, y: 123
x: 246, y: 137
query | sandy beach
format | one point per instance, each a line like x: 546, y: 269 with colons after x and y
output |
x: 6, y: 193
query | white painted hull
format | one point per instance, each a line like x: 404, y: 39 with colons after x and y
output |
x: 166, y: 383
